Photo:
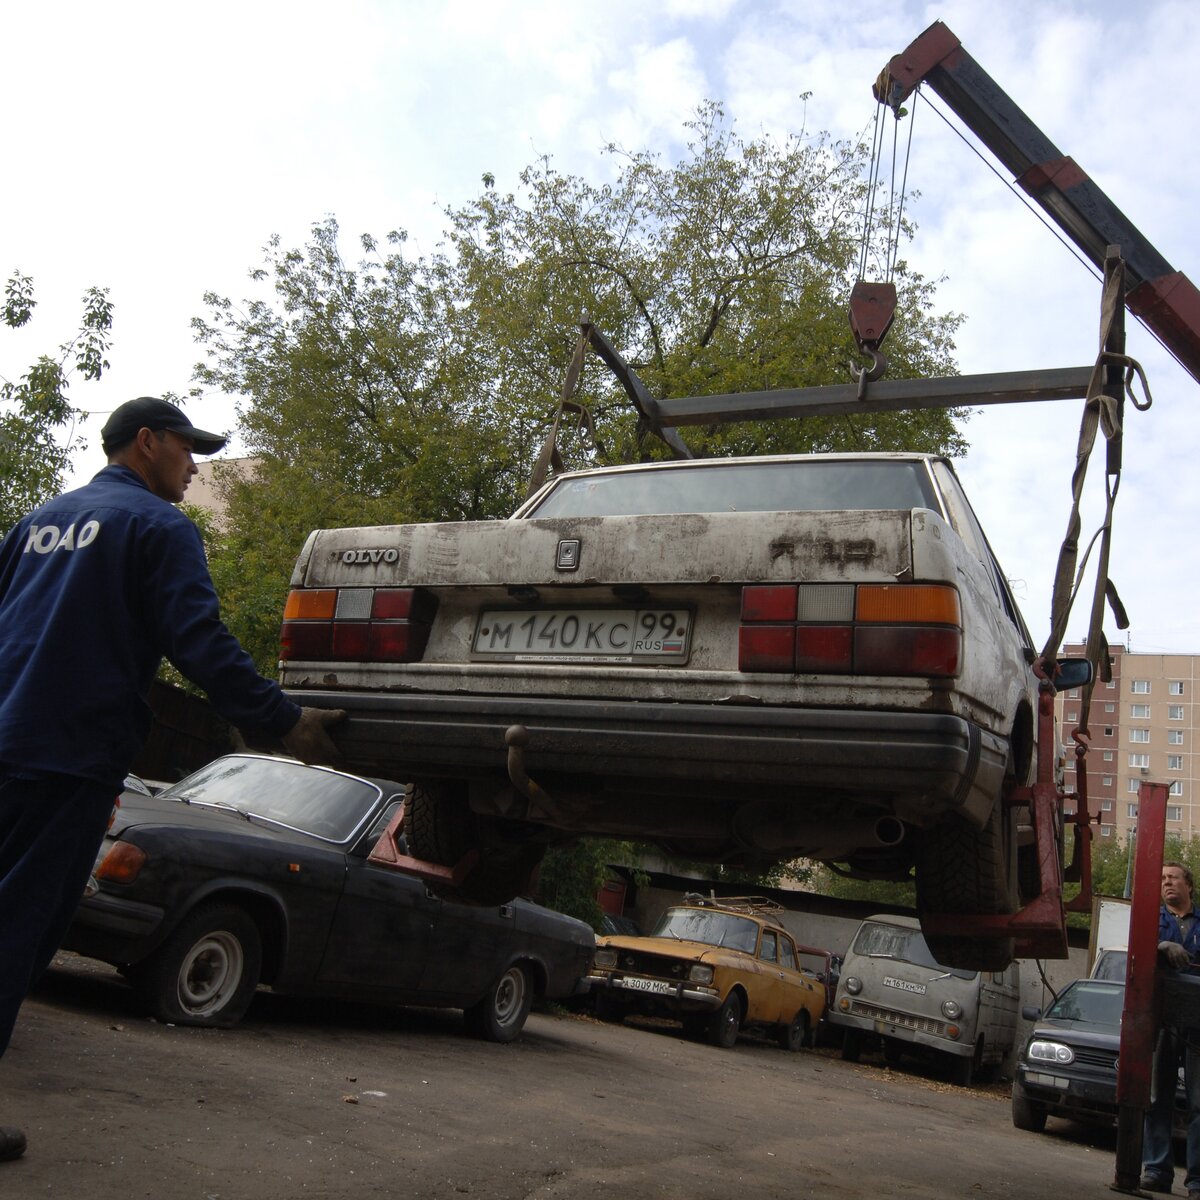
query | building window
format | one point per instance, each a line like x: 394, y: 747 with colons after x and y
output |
x: 1139, y: 735
x: 1106, y: 781
x: 1073, y: 694
x: 1174, y: 712
x: 1174, y: 812
x: 1108, y: 756
x: 1141, y: 711
x: 1139, y: 760
x: 1110, y: 708
x: 1133, y: 785
x: 1106, y: 806
x: 1112, y: 683
x: 1176, y: 789
x: 1131, y: 810
x: 1175, y: 688
x: 1106, y: 830
x: 1174, y: 762
x: 1140, y: 687
x: 1174, y: 737
x: 1074, y: 716
x: 1108, y: 731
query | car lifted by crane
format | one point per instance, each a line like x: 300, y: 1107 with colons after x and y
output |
x: 570, y: 671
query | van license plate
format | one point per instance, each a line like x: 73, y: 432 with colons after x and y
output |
x: 903, y: 985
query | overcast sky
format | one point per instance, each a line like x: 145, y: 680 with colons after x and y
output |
x: 153, y: 149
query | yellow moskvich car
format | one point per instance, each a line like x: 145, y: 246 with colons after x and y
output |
x: 717, y: 965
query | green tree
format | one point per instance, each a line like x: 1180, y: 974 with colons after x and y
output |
x: 36, y: 418
x: 402, y: 390
x: 571, y: 876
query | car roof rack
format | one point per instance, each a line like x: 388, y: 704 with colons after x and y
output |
x: 762, y: 905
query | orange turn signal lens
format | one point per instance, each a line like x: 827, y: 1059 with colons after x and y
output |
x: 909, y: 604
x: 310, y: 605
x: 122, y: 863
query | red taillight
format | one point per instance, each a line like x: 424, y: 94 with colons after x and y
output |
x: 356, y: 625
x: 840, y: 629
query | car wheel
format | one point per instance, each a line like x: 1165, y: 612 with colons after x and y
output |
x: 725, y: 1023
x: 441, y: 828
x: 796, y: 1035
x: 500, y: 1015
x: 961, y: 869
x: 851, y: 1045
x: 207, y: 971
x: 1027, y: 1114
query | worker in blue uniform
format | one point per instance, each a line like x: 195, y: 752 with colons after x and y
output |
x: 1178, y: 949
x: 96, y: 588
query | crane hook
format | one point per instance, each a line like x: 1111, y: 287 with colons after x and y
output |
x: 864, y: 375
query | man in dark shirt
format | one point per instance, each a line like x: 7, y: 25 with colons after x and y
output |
x: 1179, y: 948
x: 96, y: 587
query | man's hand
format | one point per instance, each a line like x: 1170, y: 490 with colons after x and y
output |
x: 309, y: 740
x: 1175, y: 954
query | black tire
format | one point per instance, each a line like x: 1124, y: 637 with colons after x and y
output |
x: 207, y: 971
x: 609, y: 1009
x: 441, y: 828
x: 961, y: 869
x: 893, y: 1051
x: 851, y: 1045
x: 1027, y: 1114
x: 964, y: 1067
x: 725, y: 1024
x: 797, y: 1035
x: 500, y: 1015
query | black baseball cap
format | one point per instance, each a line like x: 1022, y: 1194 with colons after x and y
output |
x: 152, y: 412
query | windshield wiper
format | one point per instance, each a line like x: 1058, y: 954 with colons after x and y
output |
x: 224, y: 807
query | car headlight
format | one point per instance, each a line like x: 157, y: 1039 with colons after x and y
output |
x: 700, y: 973
x: 853, y: 984
x: 605, y: 958
x: 951, y: 1010
x: 1051, y: 1052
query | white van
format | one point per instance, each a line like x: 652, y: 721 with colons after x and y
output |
x: 891, y: 988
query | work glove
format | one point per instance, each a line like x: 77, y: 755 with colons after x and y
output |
x: 309, y: 740
x: 1175, y: 955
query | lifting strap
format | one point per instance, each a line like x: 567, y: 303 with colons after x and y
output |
x: 549, y: 459
x: 1102, y: 411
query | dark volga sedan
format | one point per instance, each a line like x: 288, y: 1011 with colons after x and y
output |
x: 254, y: 870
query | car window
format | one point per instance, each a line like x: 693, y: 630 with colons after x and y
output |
x: 768, y: 949
x: 797, y: 486
x: 381, y: 822
x: 709, y: 927
x: 787, y: 956
x: 875, y: 939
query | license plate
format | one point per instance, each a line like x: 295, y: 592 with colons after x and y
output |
x: 634, y: 984
x: 584, y: 635
x: 917, y: 989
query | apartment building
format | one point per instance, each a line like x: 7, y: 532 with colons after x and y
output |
x: 1143, y: 726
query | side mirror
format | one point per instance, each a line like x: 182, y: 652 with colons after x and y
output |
x: 1030, y: 1012
x: 1071, y: 673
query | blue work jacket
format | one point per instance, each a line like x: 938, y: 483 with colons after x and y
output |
x: 1169, y: 930
x: 96, y: 588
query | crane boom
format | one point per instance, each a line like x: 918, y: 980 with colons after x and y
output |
x: 1162, y: 297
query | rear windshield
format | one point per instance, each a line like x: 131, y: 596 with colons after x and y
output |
x: 877, y: 940
x: 744, y: 487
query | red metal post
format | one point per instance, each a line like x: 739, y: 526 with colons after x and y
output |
x: 1140, y: 1019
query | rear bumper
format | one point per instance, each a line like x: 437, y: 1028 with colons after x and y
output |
x: 921, y: 764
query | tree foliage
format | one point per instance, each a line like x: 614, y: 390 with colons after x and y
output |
x: 406, y: 389
x: 571, y: 876
x: 36, y: 418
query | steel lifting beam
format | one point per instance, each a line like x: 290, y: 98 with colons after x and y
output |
x: 885, y: 395
x: 1165, y: 299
